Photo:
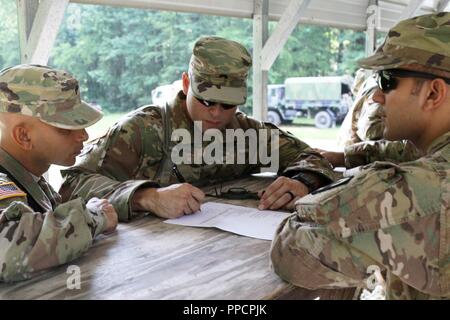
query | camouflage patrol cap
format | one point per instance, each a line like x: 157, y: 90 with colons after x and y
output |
x: 51, y: 95
x: 218, y: 70
x: 423, y: 40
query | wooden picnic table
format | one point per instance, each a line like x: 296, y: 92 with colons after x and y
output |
x: 149, y: 259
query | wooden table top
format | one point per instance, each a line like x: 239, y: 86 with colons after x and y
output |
x: 149, y: 259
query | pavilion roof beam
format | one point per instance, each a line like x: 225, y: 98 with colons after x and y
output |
x: 373, y: 24
x: 260, y: 76
x: 288, y: 21
x: 26, y: 11
x: 233, y: 8
x: 442, y: 5
x: 45, y: 27
x: 411, y: 10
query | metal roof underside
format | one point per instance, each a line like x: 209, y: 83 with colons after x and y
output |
x: 338, y: 13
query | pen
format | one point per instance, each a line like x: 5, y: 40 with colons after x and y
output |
x: 180, y: 177
x: 178, y: 174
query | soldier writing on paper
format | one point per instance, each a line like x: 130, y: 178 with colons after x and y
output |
x: 133, y: 166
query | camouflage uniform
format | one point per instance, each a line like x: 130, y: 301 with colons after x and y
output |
x: 391, y: 216
x: 37, y: 231
x: 130, y: 156
x: 363, y: 153
x: 364, y: 121
x: 367, y: 120
x: 364, y: 142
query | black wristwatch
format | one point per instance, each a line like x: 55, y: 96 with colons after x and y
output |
x: 309, y: 180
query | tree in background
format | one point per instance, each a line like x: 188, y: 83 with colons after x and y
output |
x: 121, y: 54
x: 318, y: 51
x: 9, y: 35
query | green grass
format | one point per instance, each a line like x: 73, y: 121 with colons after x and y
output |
x: 311, y: 132
x: 304, y: 128
x: 301, y: 128
x: 304, y: 121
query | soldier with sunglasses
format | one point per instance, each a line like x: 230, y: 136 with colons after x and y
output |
x: 362, y: 132
x: 132, y: 167
x: 388, y: 225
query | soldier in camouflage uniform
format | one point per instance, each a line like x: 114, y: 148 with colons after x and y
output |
x: 131, y: 166
x: 42, y: 121
x: 364, y: 121
x: 389, y: 216
x: 362, y: 132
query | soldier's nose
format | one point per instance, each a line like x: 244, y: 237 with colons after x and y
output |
x: 378, y: 96
x: 82, y: 135
x: 215, y: 110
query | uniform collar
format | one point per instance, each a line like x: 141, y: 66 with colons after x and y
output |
x: 439, y: 143
x: 178, y: 114
x: 35, y: 178
x: 26, y: 179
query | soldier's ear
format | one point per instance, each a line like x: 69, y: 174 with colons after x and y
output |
x: 436, y: 95
x: 21, y: 135
x: 185, y: 80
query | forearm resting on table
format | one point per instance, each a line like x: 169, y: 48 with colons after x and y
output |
x: 143, y: 199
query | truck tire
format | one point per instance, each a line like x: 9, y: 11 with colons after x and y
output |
x: 323, y: 120
x: 274, y: 117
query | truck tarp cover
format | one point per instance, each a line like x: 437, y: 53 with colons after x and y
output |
x: 313, y: 88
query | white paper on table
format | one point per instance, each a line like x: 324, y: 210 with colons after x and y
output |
x: 249, y: 222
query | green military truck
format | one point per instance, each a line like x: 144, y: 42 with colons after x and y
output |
x: 325, y: 99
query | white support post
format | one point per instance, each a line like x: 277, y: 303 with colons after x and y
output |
x: 42, y: 36
x: 26, y: 11
x: 288, y: 21
x: 442, y: 5
x: 260, y: 76
x: 411, y: 9
x: 372, y: 24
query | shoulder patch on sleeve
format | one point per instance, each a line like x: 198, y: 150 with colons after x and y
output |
x: 9, y: 190
x: 333, y: 185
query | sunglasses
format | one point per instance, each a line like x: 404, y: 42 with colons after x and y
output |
x: 208, y: 104
x: 386, y: 79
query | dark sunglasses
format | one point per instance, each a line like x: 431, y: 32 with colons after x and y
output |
x: 208, y: 104
x: 386, y: 79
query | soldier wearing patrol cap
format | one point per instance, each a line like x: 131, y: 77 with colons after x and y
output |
x: 131, y: 166
x: 362, y: 134
x: 390, y: 219
x: 42, y: 121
